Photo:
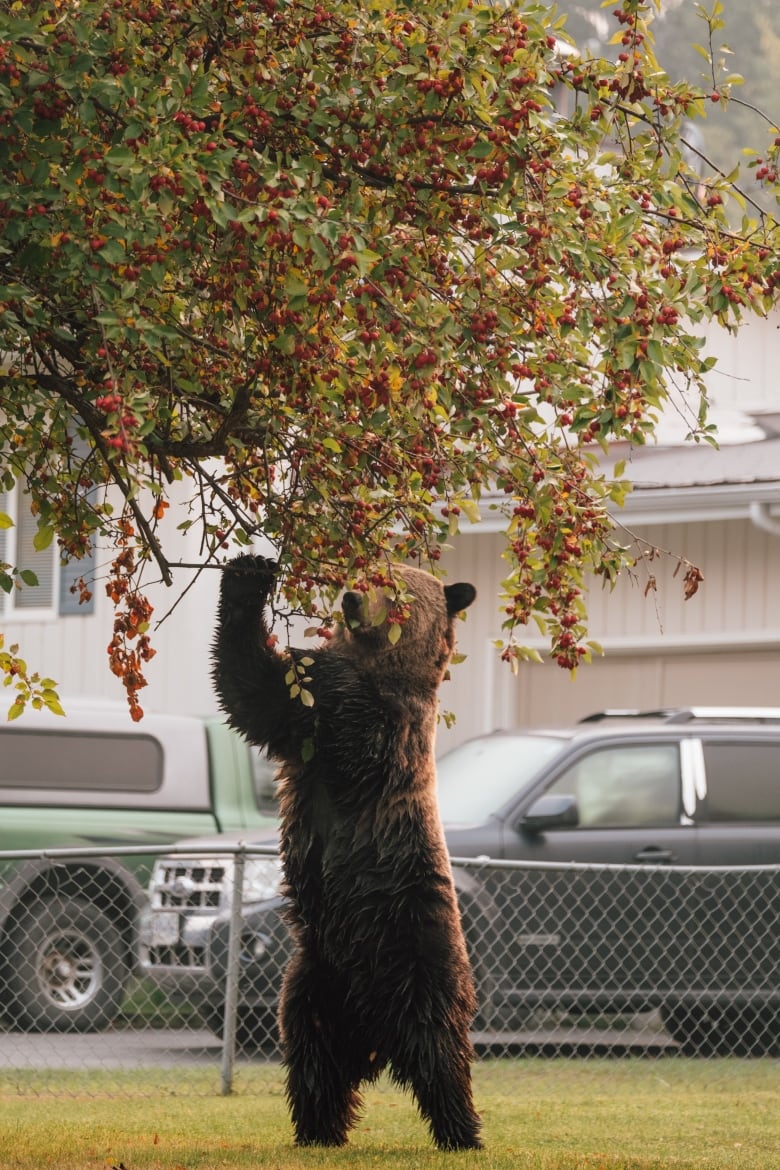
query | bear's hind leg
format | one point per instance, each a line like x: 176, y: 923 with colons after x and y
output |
x: 324, y: 1067
x: 438, y: 1071
x: 324, y: 1105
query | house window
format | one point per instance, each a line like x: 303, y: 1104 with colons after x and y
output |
x: 52, y: 595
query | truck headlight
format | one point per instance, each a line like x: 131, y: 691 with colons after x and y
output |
x: 262, y: 879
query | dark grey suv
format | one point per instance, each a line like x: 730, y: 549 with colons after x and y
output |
x: 676, y: 815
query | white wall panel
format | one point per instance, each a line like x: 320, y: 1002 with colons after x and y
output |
x: 722, y: 646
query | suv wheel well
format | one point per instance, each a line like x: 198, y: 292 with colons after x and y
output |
x: 91, y: 883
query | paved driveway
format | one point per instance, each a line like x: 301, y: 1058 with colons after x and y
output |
x: 168, y: 1048
x: 116, y: 1048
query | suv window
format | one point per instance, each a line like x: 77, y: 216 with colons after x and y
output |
x: 264, y: 781
x: 636, y: 784
x: 743, y: 781
x: 86, y: 762
x: 481, y: 775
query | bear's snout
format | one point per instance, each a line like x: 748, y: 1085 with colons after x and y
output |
x: 353, y: 608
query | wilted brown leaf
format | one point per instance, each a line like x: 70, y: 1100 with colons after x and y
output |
x: 693, y: 577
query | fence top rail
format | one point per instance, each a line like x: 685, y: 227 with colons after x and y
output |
x: 609, y: 866
x: 75, y: 852
x: 247, y: 849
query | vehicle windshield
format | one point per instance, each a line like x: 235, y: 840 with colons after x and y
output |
x: 481, y: 775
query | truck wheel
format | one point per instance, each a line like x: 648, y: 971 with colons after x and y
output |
x: 486, y: 1018
x: 255, y: 1027
x: 477, y: 933
x: 67, y: 967
x: 723, y: 1031
x: 696, y: 1029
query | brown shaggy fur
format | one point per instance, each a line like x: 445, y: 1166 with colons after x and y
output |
x: 379, y: 975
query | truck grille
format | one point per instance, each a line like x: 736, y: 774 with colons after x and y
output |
x: 190, y: 885
x: 186, y: 894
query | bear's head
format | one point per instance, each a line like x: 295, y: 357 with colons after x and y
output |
x: 427, y: 636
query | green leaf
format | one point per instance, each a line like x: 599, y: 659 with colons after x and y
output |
x: 113, y: 252
x: 285, y: 343
x: 294, y: 284
x: 43, y: 538
x: 5, y: 521
x: 530, y: 654
x: 29, y: 577
x: 471, y: 508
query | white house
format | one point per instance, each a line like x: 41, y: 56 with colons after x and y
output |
x: 67, y: 641
x: 720, y: 509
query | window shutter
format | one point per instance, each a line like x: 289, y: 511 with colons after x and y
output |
x: 72, y: 568
x: 3, y: 546
x: 40, y: 596
x: 54, y: 579
x: 70, y: 571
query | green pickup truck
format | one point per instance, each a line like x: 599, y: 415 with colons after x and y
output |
x: 95, y: 781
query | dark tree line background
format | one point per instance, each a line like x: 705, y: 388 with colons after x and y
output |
x: 748, y: 44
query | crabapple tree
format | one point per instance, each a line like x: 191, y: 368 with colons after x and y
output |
x: 343, y: 267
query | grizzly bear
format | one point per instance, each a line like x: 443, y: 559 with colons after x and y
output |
x: 379, y: 976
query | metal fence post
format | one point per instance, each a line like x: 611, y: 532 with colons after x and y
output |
x: 232, y: 976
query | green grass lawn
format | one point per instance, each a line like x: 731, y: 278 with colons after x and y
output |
x: 538, y: 1115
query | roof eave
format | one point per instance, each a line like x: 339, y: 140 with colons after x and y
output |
x: 667, y: 505
x: 699, y: 503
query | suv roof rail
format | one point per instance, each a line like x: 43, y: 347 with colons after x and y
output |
x: 629, y: 713
x: 726, y: 714
x: 691, y: 714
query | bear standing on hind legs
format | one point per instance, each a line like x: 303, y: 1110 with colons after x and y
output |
x: 379, y: 975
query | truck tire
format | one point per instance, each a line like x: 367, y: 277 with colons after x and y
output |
x: 477, y: 915
x: 256, y: 1028
x: 723, y: 1031
x: 67, y: 967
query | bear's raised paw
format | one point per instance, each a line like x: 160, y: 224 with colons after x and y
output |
x: 248, y: 577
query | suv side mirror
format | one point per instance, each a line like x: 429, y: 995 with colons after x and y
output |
x: 551, y: 812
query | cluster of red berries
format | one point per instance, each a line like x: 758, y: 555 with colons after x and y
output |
x: 129, y: 648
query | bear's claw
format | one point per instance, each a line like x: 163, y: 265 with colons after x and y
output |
x: 248, y: 576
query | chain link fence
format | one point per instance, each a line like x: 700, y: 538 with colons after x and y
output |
x: 570, y: 961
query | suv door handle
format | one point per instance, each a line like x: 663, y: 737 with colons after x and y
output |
x: 651, y: 853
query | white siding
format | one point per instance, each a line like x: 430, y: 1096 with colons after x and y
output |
x: 745, y: 377
x: 720, y: 647
x: 72, y: 649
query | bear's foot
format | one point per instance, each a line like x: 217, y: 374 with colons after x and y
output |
x: 451, y: 1145
x: 302, y: 1140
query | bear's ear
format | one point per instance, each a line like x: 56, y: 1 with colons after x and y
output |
x: 459, y: 596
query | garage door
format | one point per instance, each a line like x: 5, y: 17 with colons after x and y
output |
x: 546, y: 695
